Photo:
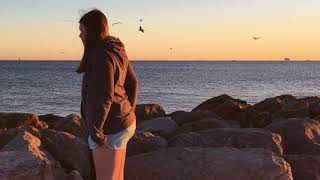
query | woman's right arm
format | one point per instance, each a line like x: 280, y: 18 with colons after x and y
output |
x: 131, y: 86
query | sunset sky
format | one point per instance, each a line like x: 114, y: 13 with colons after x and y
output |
x: 194, y: 29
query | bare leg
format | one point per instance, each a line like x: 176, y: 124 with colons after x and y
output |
x: 123, y: 157
x: 107, y: 163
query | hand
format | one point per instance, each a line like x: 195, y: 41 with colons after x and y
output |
x: 98, y: 136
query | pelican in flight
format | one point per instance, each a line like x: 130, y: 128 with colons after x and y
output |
x: 256, y: 38
x: 141, y: 29
x: 116, y: 23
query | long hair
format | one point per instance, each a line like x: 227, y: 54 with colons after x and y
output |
x: 97, y: 29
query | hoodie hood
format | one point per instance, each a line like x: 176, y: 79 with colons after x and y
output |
x: 114, y: 44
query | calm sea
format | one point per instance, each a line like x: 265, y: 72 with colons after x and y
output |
x: 44, y: 87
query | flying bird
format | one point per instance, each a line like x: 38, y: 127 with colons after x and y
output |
x: 141, y: 29
x: 256, y: 38
x: 116, y: 23
x: 141, y: 20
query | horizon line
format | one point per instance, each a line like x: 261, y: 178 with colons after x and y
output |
x: 174, y: 60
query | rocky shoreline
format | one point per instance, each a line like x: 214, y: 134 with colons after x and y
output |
x: 221, y: 139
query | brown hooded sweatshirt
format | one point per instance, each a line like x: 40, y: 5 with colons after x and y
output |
x: 109, y: 89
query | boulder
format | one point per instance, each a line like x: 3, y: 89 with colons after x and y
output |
x: 234, y: 109
x: 230, y: 137
x: 7, y: 135
x: 163, y: 126
x: 14, y: 120
x: 25, y: 141
x: 230, y: 110
x: 74, y: 175
x: 196, y: 163
x: 186, y: 117
x: 314, y: 105
x: 143, y: 142
x: 148, y: 111
x: 72, y: 152
x: 213, y: 103
x: 250, y: 118
x: 22, y: 159
x: 50, y: 119
x: 175, y: 113
x: 203, y: 124
x: 20, y: 165
x: 287, y: 98
x: 295, y: 109
x: 284, y: 106
x: 304, y: 166
x: 270, y: 105
x: 72, y: 124
x: 299, y: 135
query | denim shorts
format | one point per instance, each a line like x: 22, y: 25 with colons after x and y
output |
x: 118, y: 140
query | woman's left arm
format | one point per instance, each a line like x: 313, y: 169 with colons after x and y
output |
x: 100, y: 90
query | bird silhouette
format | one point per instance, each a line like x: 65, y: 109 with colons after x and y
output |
x: 256, y: 38
x: 116, y: 23
x: 141, y: 20
x: 141, y: 29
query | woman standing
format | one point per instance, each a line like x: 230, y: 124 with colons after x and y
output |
x: 109, y: 95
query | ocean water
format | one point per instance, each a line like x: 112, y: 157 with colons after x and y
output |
x: 44, y: 87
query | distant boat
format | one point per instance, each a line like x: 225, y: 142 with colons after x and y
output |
x: 286, y: 59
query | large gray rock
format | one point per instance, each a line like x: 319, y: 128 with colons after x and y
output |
x: 299, y: 135
x: 73, y: 175
x: 270, y: 105
x: 304, y: 167
x: 148, y: 111
x: 143, y: 142
x: 187, y: 117
x: 229, y: 108
x: 50, y: 119
x: 19, y: 165
x: 284, y: 106
x: 250, y: 118
x: 7, y: 135
x: 230, y: 137
x: 72, y: 124
x: 72, y: 152
x: 207, y: 164
x: 213, y: 103
x: 22, y: 159
x: 296, y: 109
x: 163, y: 126
x: 314, y: 105
x: 25, y: 142
x: 204, y: 124
x: 14, y: 120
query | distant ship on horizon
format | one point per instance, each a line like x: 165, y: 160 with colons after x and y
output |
x: 287, y: 59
